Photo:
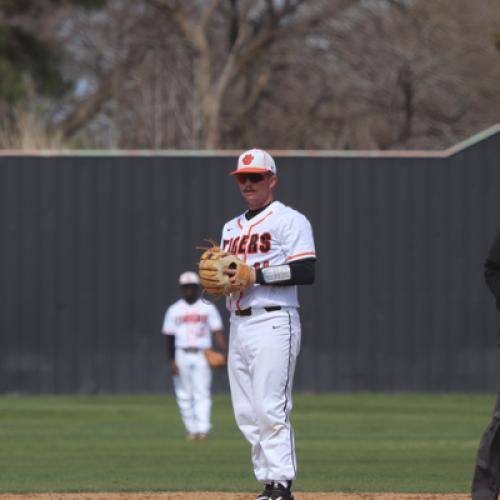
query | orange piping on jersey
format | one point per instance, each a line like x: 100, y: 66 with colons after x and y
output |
x: 239, y: 223
x: 250, y: 231
x: 246, y: 249
x: 312, y: 254
x: 238, y: 301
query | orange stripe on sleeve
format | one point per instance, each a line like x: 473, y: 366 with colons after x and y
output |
x: 305, y: 254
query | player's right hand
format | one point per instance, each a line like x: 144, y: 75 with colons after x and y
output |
x: 174, y: 369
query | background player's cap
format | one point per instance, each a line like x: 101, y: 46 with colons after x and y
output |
x: 255, y: 161
x: 189, y: 278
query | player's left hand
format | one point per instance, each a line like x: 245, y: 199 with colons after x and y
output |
x: 232, y: 275
x: 214, y: 270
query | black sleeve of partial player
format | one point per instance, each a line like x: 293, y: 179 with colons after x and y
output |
x: 303, y: 272
x: 171, y: 347
x: 492, y: 268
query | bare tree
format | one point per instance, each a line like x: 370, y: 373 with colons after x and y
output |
x: 409, y: 79
x: 309, y: 74
x: 228, y: 39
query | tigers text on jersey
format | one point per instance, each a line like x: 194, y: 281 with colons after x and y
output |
x: 192, y: 324
x: 277, y: 235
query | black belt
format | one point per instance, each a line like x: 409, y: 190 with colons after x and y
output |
x: 248, y: 312
x: 190, y: 349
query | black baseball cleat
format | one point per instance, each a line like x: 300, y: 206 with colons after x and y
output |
x: 279, y: 492
x: 266, y: 494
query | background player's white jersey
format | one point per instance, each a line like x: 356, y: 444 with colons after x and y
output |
x: 277, y: 235
x: 192, y: 324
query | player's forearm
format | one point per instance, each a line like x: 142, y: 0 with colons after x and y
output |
x: 171, y: 347
x: 220, y: 340
x: 301, y: 272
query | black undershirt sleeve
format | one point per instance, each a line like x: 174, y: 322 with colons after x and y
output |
x: 171, y: 347
x: 303, y: 273
x: 492, y: 268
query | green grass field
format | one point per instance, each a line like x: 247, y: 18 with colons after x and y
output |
x: 360, y: 442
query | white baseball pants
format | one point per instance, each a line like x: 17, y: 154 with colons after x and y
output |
x: 192, y: 390
x: 263, y: 349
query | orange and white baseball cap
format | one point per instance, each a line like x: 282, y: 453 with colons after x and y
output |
x: 255, y: 161
x: 189, y: 278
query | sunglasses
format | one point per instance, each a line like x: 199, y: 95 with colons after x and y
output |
x: 253, y: 178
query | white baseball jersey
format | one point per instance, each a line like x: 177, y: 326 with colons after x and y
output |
x: 278, y: 235
x: 192, y: 324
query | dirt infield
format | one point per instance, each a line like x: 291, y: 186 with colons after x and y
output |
x: 230, y: 496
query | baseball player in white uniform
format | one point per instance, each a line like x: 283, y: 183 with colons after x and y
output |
x: 189, y: 325
x: 277, y: 242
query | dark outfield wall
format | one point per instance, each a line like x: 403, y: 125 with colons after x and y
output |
x: 91, y: 248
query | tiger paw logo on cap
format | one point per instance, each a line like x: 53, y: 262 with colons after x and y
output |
x: 247, y: 159
x: 255, y: 161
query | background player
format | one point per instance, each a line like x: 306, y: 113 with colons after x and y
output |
x: 189, y: 325
x: 277, y: 242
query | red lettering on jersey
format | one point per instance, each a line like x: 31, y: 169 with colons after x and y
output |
x: 234, y: 246
x: 248, y: 244
x: 264, y: 264
x: 192, y: 318
x: 243, y: 244
x: 265, y: 242
x: 252, y: 244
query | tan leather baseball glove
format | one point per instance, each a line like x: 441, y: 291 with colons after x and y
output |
x: 213, y: 280
x: 215, y: 359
